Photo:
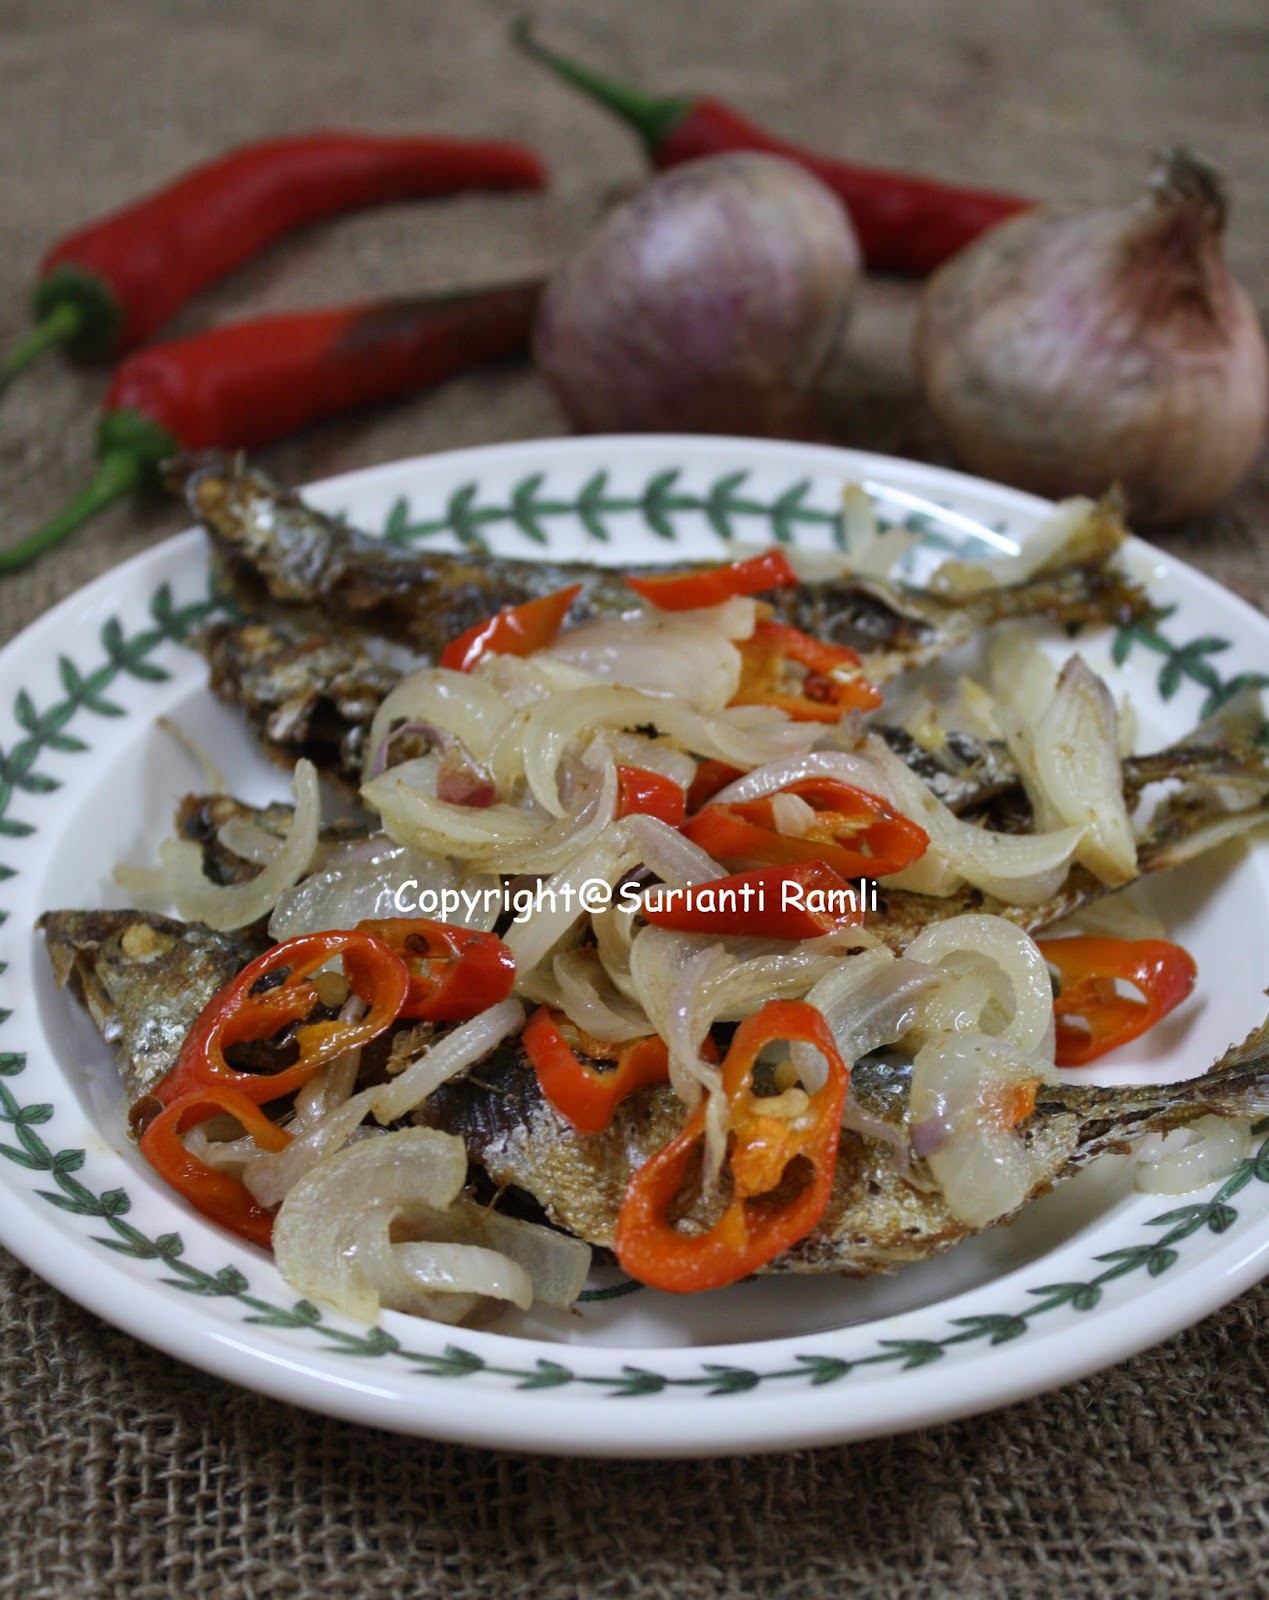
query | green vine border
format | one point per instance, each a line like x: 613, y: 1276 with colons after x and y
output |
x: 659, y: 502
x: 528, y: 509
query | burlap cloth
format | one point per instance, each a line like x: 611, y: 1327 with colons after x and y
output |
x: 129, y: 1475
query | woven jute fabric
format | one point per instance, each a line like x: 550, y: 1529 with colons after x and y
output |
x: 130, y: 1476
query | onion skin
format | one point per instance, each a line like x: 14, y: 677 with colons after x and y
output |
x: 710, y: 302
x: 1063, y: 353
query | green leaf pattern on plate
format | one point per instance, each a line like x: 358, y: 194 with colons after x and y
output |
x: 529, y: 509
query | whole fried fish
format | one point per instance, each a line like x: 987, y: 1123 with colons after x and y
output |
x: 143, y: 979
x: 274, y: 549
x: 876, y: 1219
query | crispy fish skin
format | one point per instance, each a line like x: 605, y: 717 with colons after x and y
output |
x: 876, y: 1220
x: 143, y: 979
x: 304, y: 693
x: 274, y: 550
x: 200, y: 818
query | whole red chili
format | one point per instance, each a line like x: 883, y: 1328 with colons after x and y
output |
x: 248, y: 382
x: 107, y: 287
x: 904, y: 224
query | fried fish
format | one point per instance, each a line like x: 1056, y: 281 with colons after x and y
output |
x: 877, y: 1219
x: 143, y: 979
x: 277, y: 551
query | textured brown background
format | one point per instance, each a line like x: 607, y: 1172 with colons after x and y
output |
x: 128, y: 1476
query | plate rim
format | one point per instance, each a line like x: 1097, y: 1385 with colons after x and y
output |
x: 292, y: 1380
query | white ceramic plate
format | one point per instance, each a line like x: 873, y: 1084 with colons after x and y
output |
x: 1083, y: 1279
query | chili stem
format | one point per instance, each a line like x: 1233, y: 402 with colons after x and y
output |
x: 651, y: 116
x: 117, y: 474
x: 61, y: 325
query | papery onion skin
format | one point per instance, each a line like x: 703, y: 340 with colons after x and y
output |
x: 1063, y: 353
x: 709, y: 303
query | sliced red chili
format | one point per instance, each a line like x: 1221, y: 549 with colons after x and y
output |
x: 1093, y: 1013
x: 586, y: 1096
x: 274, y: 992
x: 711, y: 776
x: 856, y: 833
x: 217, y: 1195
x: 689, y: 591
x: 646, y: 793
x: 454, y: 972
x: 809, y: 680
x: 781, y: 1168
x: 513, y: 631
x: 803, y: 901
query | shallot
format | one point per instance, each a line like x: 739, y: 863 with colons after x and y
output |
x: 709, y: 303
x: 1064, y: 353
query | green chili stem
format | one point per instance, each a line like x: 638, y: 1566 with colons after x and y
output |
x: 651, y: 116
x: 62, y: 324
x: 117, y: 474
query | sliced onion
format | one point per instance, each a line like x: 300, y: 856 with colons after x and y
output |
x: 271, y: 1175
x: 1073, y: 526
x: 601, y: 860
x: 213, y: 779
x: 592, y: 1002
x: 246, y: 839
x: 668, y: 972
x: 985, y: 1170
x: 1020, y: 674
x: 536, y: 748
x: 1079, y: 773
x: 1218, y: 1145
x: 226, y: 906
x: 675, y: 860
x: 354, y: 887
x: 686, y: 654
x: 321, y: 1223
x: 435, y: 1279
x: 461, y: 703
x: 556, y: 1263
x: 1021, y: 869
x: 455, y: 1052
x: 977, y: 940
x: 656, y: 755
x: 501, y: 838
x: 868, y: 1000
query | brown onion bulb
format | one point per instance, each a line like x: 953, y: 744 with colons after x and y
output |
x: 710, y: 302
x: 1065, y: 352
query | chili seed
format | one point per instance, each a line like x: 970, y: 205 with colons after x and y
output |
x: 332, y: 989
x: 143, y: 1114
x: 270, y: 980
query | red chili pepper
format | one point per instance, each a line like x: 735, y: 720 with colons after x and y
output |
x: 513, y: 631
x: 105, y: 288
x: 584, y: 1095
x: 243, y: 384
x: 904, y: 224
x: 809, y: 680
x: 856, y: 833
x: 454, y: 972
x: 274, y: 992
x: 790, y: 902
x: 689, y: 591
x: 224, y: 1199
x: 650, y: 794
x: 711, y: 776
x: 1093, y: 1016
x: 762, y: 1217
